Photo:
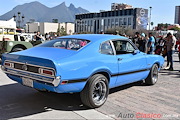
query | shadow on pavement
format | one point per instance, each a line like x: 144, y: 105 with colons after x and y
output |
x: 19, y: 101
x: 139, y: 83
x: 174, y: 73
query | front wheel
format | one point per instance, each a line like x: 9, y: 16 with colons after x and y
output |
x: 95, y: 92
x: 153, y: 75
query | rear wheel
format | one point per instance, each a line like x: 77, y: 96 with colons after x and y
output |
x: 153, y: 75
x: 95, y: 92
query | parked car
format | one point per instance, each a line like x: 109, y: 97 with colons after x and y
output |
x: 88, y: 63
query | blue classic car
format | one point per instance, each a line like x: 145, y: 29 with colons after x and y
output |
x: 88, y: 63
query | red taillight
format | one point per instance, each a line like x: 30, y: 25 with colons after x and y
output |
x: 46, y: 72
x: 9, y: 64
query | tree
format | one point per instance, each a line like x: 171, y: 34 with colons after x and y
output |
x: 63, y: 31
x: 175, y: 29
x: 160, y: 26
x: 124, y: 31
x: 152, y: 23
x: 166, y: 26
x: 163, y: 26
x: 55, y: 20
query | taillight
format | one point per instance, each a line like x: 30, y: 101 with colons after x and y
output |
x: 9, y: 64
x: 46, y: 72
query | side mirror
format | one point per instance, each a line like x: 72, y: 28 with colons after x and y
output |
x: 136, y: 52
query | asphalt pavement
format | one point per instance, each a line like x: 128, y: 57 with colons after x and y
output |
x: 132, y: 101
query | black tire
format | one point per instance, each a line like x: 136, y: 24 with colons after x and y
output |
x: 95, y: 92
x: 16, y: 49
x: 153, y: 75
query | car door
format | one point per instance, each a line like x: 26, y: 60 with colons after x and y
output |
x: 108, y: 61
x: 132, y: 64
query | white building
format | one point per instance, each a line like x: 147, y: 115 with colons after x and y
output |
x: 134, y: 18
x: 46, y: 27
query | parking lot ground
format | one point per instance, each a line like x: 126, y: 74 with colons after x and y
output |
x: 132, y: 101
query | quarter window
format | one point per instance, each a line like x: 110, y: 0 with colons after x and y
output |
x: 106, y: 48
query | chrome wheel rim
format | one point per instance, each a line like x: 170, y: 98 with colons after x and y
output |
x: 99, y: 92
x: 155, y: 74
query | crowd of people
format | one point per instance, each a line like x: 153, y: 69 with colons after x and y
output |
x: 39, y: 37
x: 147, y: 43
x: 165, y: 46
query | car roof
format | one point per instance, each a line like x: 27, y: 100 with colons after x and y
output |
x: 95, y: 37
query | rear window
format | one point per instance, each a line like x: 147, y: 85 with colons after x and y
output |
x: 70, y: 44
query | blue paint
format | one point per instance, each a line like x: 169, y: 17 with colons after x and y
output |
x: 85, y: 62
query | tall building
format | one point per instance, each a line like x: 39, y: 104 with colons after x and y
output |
x: 177, y: 15
x: 134, y: 18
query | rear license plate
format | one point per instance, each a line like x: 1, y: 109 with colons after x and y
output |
x: 27, y: 82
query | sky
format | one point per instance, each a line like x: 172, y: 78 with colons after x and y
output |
x: 163, y: 11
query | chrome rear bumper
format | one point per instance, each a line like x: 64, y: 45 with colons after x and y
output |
x: 55, y: 81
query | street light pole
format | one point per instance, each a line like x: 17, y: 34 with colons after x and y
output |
x: 80, y: 24
x: 150, y: 18
x: 18, y: 20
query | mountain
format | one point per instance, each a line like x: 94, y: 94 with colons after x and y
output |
x: 75, y: 10
x: 41, y: 13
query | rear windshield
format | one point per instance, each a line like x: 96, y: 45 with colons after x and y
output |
x: 70, y: 44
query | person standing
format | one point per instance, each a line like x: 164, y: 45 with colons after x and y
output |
x: 136, y: 39
x: 170, y: 44
x: 178, y: 45
x: 38, y: 36
x: 47, y: 36
x: 143, y: 43
x: 151, y: 44
x: 160, y: 46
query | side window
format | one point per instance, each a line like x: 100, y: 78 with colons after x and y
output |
x: 123, y: 47
x: 106, y: 48
x: 129, y: 47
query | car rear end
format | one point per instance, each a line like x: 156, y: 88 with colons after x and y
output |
x: 38, y: 73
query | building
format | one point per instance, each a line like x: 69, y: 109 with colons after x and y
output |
x: 117, y: 6
x: 134, y: 18
x: 177, y: 15
x: 46, y: 27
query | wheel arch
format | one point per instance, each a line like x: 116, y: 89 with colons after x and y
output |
x: 158, y: 64
x: 104, y: 72
x: 19, y: 46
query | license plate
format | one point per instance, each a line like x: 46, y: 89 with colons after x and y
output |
x: 27, y: 82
